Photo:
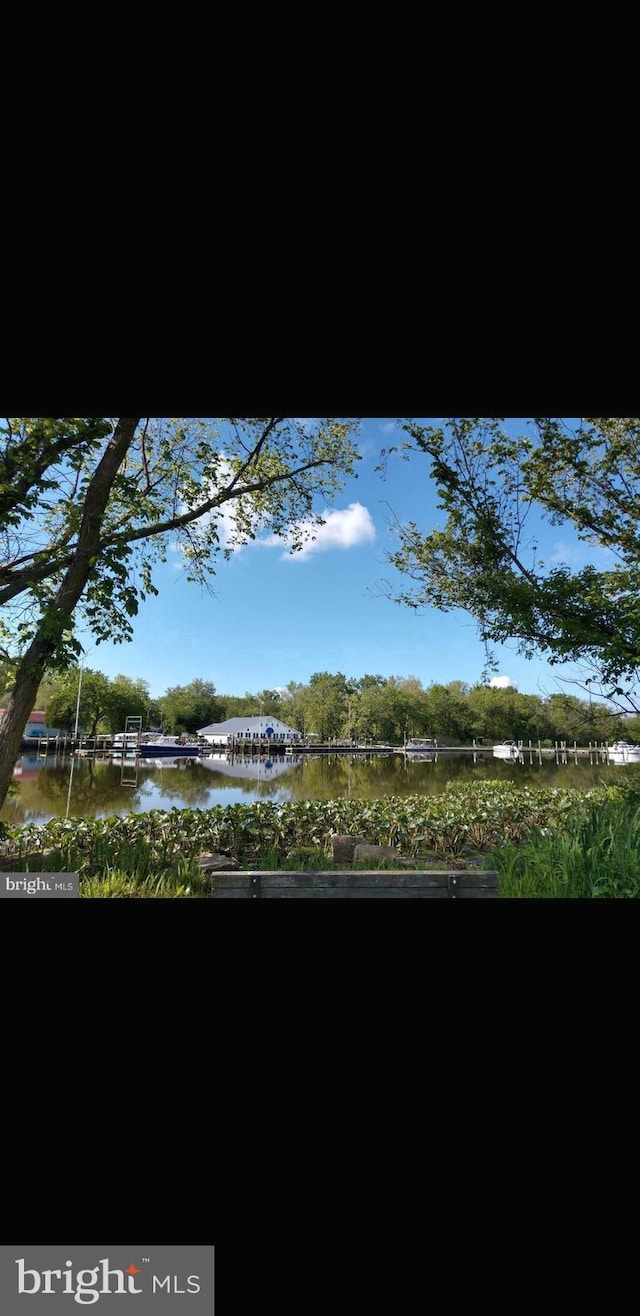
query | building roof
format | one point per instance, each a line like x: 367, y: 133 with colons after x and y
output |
x: 235, y: 726
x: 33, y: 717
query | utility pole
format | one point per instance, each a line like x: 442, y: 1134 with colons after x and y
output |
x: 75, y: 730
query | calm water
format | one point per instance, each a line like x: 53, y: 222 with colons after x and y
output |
x: 59, y: 787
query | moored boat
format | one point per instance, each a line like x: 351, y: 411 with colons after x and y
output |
x: 622, y: 751
x: 153, y: 746
x: 420, y: 745
x: 507, y: 749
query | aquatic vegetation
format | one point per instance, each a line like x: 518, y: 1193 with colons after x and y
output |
x: 481, y: 816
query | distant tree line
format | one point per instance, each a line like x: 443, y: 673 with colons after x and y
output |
x: 331, y: 706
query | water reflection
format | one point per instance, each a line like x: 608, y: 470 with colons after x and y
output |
x: 96, y: 787
x: 252, y: 768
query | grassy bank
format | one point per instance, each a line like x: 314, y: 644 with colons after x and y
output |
x: 548, y: 843
x: 593, y: 856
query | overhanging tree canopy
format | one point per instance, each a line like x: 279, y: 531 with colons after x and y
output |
x: 88, y: 506
x: 485, y: 558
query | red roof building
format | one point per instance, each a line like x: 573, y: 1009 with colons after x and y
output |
x: 36, y: 725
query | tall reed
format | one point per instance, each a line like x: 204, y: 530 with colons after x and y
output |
x: 593, y: 856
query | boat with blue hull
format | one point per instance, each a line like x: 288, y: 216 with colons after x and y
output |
x: 153, y: 747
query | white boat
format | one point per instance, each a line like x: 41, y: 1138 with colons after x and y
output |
x: 151, y: 746
x: 420, y: 745
x: 623, y: 752
x: 125, y: 743
x: 507, y: 749
x: 164, y: 761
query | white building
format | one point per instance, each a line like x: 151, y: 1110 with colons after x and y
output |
x: 254, y: 729
x: 36, y: 726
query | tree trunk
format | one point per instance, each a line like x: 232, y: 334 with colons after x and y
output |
x: 19, y: 708
x: 33, y: 665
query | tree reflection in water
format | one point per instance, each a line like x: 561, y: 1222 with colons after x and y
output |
x: 97, y: 789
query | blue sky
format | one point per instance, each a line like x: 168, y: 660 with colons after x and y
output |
x: 274, y: 617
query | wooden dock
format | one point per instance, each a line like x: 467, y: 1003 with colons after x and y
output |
x: 104, y: 746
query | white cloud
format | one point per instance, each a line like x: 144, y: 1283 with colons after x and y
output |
x: 341, y: 530
x: 223, y: 516
x: 577, y: 555
x: 500, y: 682
x: 390, y: 427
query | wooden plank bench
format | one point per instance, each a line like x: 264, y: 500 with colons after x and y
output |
x: 356, y: 884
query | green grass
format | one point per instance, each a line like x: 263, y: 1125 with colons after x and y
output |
x: 116, y: 885
x: 145, y: 879
x: 594, y: 856
x: 545, y: 843
x: 122, y: 871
